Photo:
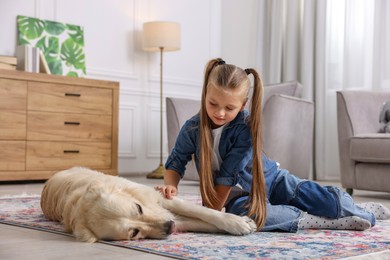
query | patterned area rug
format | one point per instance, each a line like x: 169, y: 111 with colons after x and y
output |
x: 24, y: 211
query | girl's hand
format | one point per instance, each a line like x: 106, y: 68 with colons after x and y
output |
x: 168, y: 191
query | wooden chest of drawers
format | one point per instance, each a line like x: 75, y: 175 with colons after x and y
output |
x: 50, y: 123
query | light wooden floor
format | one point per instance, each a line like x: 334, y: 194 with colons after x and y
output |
x: 23, y: 243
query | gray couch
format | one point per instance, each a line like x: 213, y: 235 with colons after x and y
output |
x: 364, y: 152
x: 288, y: 124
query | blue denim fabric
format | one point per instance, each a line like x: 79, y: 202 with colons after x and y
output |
x: 288, y: 196
x: 309, y: 196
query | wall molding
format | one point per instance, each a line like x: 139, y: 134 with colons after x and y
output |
x: 132, y: 108
x: 114, y: 74
x: 151, y: 152
x: 176, y: 81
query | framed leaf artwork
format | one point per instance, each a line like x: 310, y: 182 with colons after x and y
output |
x: 62, y: 44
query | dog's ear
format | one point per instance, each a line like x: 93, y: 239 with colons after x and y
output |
x: 94, y: 190
x: 84, y: 234
x: 95, y: 193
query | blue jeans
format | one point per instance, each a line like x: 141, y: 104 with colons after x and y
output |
x: 289, y: 197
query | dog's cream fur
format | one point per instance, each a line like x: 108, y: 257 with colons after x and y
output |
x: 94, y: 206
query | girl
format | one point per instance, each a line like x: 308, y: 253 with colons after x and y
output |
x: 226, y: 142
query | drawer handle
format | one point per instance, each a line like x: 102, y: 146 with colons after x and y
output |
x: 71, y: 123
x: 71, y: 151
x: 72, y: 95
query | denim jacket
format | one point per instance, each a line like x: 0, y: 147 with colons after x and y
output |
x: 235, y: 149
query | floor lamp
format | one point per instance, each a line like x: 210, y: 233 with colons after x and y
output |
x: 161, y: 37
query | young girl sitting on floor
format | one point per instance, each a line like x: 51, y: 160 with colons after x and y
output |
x: 226, y: 141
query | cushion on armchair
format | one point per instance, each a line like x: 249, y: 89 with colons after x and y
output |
x: 372, y: 148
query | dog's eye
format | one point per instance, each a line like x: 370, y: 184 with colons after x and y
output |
x: 139, y: 209
x: 133, y: 232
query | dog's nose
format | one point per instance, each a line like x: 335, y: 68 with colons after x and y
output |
x: 169, y: 227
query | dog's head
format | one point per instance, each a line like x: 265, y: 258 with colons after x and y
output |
x: 103, y: 214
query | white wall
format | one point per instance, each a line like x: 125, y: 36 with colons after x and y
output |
x: 113, y: 52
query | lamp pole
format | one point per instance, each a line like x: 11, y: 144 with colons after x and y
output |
x: 161, y: 106
x: 159, y: 172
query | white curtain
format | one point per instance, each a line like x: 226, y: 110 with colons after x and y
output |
x: 327, y: 46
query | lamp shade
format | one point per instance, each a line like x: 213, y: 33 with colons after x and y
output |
x: 158, y: 35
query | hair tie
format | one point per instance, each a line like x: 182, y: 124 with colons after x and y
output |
x: 221, y: 62
x: 248, y: 71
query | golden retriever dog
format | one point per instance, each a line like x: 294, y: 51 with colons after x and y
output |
x: 95, y: 206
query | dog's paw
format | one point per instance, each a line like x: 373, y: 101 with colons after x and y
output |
x: 237, y: 225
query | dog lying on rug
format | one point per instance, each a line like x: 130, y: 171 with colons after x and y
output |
x: 95, y: 206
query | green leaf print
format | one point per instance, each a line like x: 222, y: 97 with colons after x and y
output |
x: 22, y: 40
x: 50, y: 46
x: 62, y: 44
x: 30, y: 28
x: 72, y: 74
x: 72, y: 54
x: 54, y: 28
x: 76, y: 33
x: 55, y: 66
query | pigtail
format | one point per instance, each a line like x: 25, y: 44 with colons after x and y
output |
x: 257, y: 206
x: 207, y: 190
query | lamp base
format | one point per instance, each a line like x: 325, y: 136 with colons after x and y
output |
x: 157, y: 173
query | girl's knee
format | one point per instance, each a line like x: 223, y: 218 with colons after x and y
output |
x: 318, y: 200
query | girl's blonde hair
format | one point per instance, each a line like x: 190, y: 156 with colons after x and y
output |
x: 228, y: 76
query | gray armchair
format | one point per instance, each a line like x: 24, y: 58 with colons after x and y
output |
x: 288, y: 124
x: 364, y: 152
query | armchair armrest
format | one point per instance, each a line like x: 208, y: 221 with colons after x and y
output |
x: 288, y: 125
